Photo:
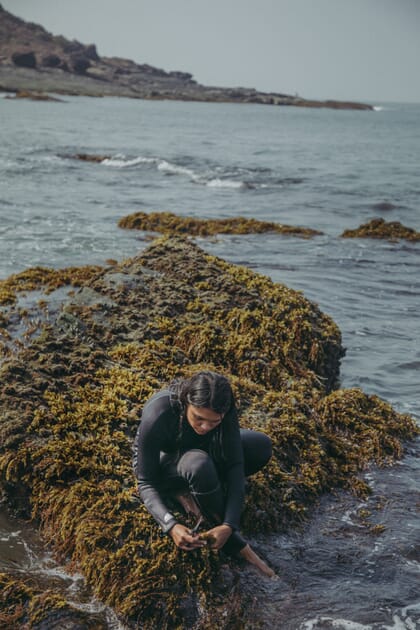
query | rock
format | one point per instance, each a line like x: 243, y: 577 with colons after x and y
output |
x: 65, y: 450
x: 91, y: 53
x: 168, y: 223
x: 35, y: 96
x: 24, y: 59
x: 51, y: 61
x: 79, y: 64
x: 379, y: 228
x: 384, y: 205
x: 89, y: 157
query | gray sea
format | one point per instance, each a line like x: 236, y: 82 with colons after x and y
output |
x: 324, y: 169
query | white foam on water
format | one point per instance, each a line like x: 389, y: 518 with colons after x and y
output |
x: 169, y: 167
x: 121, y: 162
x: 341, y: 624
x: 402, y: 624
x: 9, y: 536
x: 378, y: 108
x: 224, y: 183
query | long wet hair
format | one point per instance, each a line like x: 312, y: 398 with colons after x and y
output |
x: 204, y: 389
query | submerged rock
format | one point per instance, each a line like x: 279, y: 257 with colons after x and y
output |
x: 168, y: 223
x: 70, y: 405
x: 379, y: 228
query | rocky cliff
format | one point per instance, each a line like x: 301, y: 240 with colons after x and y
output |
x: 31, y: 58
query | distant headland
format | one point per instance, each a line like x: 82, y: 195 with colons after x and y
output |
x: 32, y: 60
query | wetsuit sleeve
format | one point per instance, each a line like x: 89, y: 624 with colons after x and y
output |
x: 154, y: 430
x: 234, y: 473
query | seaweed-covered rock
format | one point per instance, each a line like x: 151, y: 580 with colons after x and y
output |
x: 168, y: 223
x: 379, y: 228
x: 71, y: 399
x: 26, y: 606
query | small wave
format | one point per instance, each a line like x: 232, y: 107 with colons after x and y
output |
x: 378, y: 108
x: 174, y: 169
x: 213, y: 177
x: 217, y: 182
x: 121, y: 162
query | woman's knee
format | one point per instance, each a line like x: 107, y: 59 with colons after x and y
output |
x: 198, y: 469
x: 257, y: 450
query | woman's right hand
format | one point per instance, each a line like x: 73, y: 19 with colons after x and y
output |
x: 184, y: 539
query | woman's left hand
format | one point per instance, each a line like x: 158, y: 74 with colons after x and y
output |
x: 219, y: 535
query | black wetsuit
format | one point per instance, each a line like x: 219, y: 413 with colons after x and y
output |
x: 169, y: 455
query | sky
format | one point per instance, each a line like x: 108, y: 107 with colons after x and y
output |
x: 364, y: 50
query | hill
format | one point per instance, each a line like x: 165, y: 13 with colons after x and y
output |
x: 33, y: 59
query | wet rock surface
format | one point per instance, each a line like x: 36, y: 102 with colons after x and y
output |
x: 33, y: 59
x: 72, y: 394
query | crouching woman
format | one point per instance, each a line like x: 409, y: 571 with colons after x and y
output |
x: 189, y: 446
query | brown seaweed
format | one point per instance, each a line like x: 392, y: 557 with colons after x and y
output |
x: 71, y: 401
x: 379, y: 228
x: 169, y: 223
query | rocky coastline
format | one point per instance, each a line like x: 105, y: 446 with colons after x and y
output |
x: 78, y: 363
x: 34, y: 60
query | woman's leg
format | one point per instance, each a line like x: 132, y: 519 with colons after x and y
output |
x: 257, y: 450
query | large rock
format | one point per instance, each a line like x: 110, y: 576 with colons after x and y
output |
x: 71, y: 397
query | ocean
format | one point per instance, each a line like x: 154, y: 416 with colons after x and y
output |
x: 324, y: 169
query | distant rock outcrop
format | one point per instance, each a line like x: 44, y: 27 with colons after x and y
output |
x: 379, y: 228
x: 33, y: 59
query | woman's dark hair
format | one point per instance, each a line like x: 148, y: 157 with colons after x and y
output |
x: 205, y: 389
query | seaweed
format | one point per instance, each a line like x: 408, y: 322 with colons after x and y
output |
x: 169, y: 223
x: 379, y: 228
x: 24, y: 605
x: 72, y: 401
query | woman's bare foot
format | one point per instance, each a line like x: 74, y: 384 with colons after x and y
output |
x: 250, y: 556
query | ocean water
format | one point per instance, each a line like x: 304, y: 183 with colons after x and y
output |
x: 324, y: 169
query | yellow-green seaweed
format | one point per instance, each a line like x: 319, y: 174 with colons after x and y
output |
x: 71, y: 402
x: 169, y: 223
x: 24, y: 605
x: 379, y: 228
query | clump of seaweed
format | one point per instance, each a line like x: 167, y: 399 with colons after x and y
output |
x: 169, y: 223
x: 23, y: 605
x: 379, y: 228
x: 46, y: 279
x: 71, y: 402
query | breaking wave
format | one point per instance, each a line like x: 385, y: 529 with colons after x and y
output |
x: 212, y: 177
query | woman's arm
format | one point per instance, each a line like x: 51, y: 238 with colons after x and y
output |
x: 154, y: 429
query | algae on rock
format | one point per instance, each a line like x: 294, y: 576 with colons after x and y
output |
x: 72, y: 401
x: 379, y: 228
x: 169, y: 223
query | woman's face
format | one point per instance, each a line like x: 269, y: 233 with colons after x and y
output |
x: 202, y: 419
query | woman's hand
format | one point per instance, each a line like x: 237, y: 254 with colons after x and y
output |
x: 184, y: 539
x: 219, y: 535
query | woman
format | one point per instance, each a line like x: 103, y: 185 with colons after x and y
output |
x: 189, y: 446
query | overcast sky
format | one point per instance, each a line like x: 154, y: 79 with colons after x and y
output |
x: 366, y: 50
